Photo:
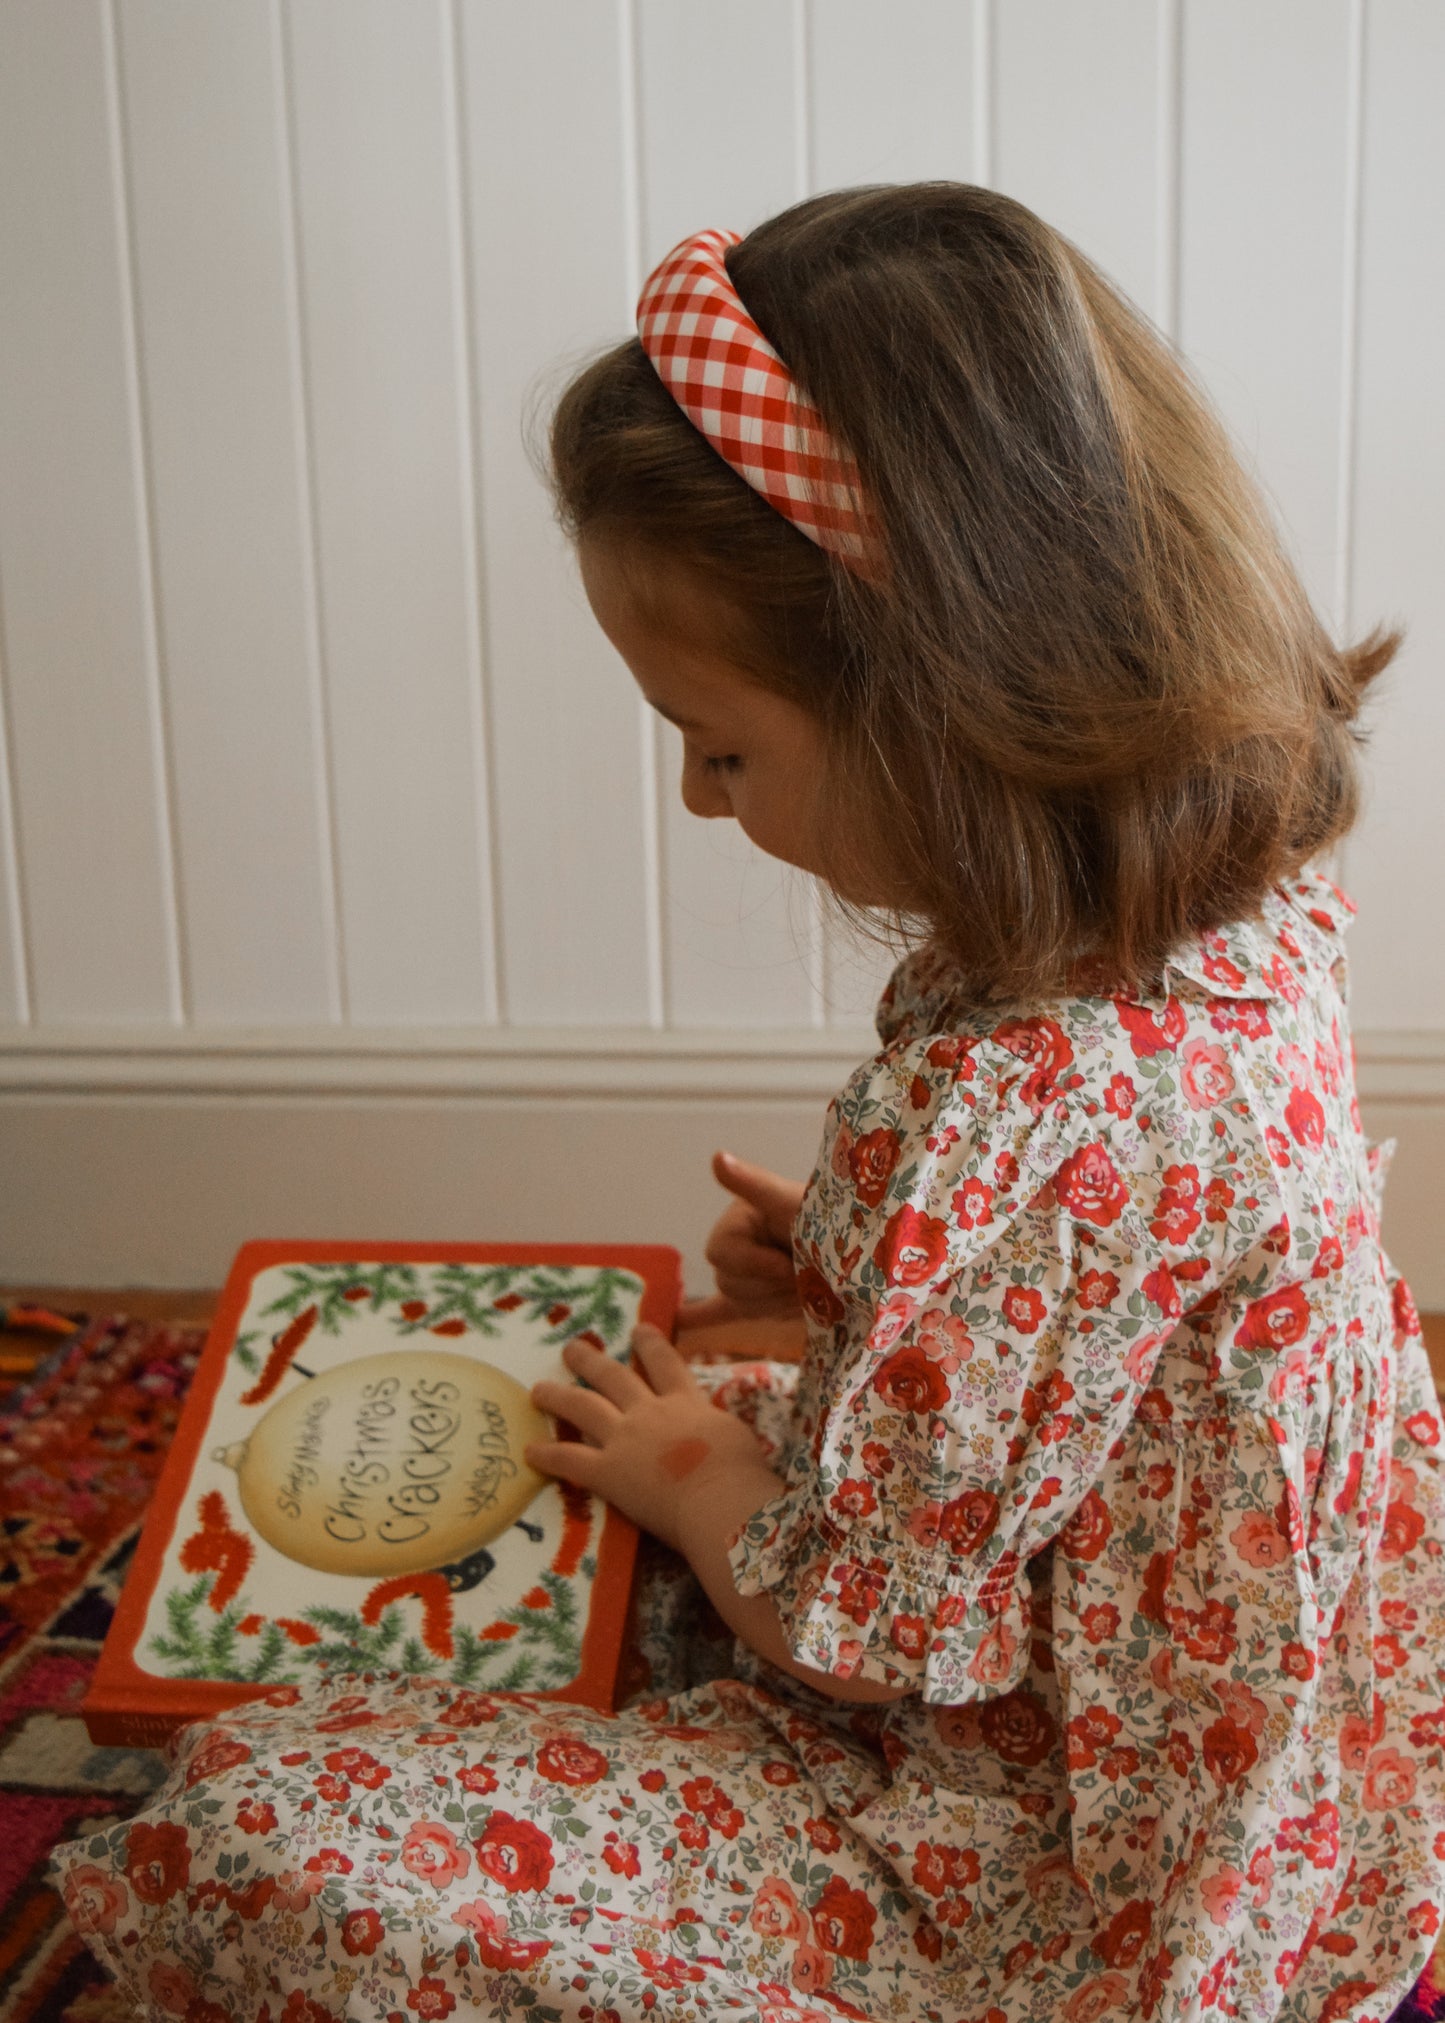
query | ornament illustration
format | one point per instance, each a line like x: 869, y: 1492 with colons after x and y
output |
x: 392, y: 1464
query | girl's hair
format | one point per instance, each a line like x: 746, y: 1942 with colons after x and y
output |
x: 1087, y: 712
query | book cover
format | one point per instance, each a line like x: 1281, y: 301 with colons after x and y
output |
x: 347, y: 1491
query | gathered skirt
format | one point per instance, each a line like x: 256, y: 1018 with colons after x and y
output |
x: 384, y: 1849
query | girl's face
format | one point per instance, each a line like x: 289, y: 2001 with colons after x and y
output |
x: 746, y: 752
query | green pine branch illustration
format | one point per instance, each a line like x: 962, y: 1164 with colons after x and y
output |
x: 546, y: 1641
x: 471, y: 1658
x: 553, y: 1629
x: 243, y: 1349
x: 474, y: 1659
x: 580, y: 1297
x: 199, y: 1643
x: 596, y: 1305
x: 202, y: 1644
x: 523, y: 1678
x: 337, y: 1290
x: 354, y: 1645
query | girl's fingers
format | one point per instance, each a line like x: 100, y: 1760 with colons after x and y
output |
x: 706, y: 1313
x: 610, y: 1387
x: 721, y: 1311
x: 746, y: 1286
x: 775, y: 1199
x: 592, y: 1415
x: 751, y: 1289
x: 605, y: 1374
x: 744, y: 1259
x: 571, y: 1459
x: 665, y: 1367
x: 741, y: 1231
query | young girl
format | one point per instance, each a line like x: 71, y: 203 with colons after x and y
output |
x: 1084, y: 1584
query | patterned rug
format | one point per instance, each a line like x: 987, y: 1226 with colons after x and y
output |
x: 82, y: 1441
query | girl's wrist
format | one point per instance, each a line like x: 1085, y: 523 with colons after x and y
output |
x: 732, y: 1491
x: 723, y: 1494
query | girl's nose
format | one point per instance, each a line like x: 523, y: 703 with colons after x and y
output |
x: 703, y: 792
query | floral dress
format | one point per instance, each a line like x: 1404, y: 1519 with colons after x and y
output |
x: 1114, y: 1441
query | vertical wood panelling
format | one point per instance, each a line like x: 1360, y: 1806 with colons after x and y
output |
x: 1076, y: 127
x: 1169, y: 104
x: 206, y: 146
x: 79, y: 648
x: 717, y: 117
x: 659, y: 1010
x: 893, y: 98
x: 14, y: 961
x: 303, y: 717
x: 385, y: 369
x: 1393, y: 870
x: 858, y: 968
x: 719, y: 147
x: 1350, y: 234
x: 985, y: 42
x: 1262, y: 267
x: 544, y: 122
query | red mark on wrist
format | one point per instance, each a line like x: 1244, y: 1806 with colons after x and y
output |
x: 682, y: 1457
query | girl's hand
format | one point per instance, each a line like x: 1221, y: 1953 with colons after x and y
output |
x: 649, y: 1441
x: 750, y: 1249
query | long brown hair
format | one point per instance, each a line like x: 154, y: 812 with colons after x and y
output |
x: 1093, y: 713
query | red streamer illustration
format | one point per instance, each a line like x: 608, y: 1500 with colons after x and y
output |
x: 576, y: 1528
x: 279, y: 1360
x: 218, y: 1548
x: 435, y: 1596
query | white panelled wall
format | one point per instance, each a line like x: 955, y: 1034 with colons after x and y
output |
x: 345, y: 890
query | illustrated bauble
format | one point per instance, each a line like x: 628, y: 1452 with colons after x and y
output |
x: 391, y: 1464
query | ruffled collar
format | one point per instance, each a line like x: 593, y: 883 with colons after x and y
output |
x: 1282, y: 952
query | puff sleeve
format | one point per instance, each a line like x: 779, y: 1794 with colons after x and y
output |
x: 985, y: 1304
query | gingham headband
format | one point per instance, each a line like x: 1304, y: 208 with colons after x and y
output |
x: 732, y: 385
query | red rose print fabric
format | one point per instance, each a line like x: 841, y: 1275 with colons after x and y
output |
x: 1115, y: 1447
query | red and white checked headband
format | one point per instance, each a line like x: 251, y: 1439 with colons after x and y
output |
x: 732, y: 385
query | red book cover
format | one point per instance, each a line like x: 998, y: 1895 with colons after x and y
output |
x: 347, y: 1490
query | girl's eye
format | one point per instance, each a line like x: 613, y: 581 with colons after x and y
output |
x: 728, y: 764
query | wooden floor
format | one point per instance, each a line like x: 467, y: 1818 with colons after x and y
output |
x: 778, y: 1339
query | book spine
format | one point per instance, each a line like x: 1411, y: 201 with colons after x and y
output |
x: 125, y: 1728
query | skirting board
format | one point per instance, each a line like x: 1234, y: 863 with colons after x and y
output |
x: 157, y: 1190
x: 156, y: 1187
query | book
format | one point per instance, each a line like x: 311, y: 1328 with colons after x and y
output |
x: 346, y: 1488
